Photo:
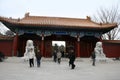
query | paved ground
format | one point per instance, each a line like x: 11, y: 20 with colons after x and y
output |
x: 15, y: 68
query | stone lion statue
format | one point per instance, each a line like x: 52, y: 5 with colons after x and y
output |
x: 99, y: 51
x: 29, y: 46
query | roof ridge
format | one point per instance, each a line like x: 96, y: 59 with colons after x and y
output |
x: 30, y: 16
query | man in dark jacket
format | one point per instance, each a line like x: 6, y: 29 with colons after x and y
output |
x: 2, y: 56
x: 38, y: 58
x: 93, y: 58
x: 72, y: 59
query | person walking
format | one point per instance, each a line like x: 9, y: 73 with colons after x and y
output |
x: 93, y: 56
x: 31, y: 55
x: 38, y: 58
x: 54, y: 56
x: 72, y: 59
x: 59, y: 56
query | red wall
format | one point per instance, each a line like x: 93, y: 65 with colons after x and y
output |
x: 6, y: 47
x: 111, y: 49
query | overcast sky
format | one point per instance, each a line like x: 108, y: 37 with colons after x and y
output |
x: 58, y: 8
x: 55, y: 8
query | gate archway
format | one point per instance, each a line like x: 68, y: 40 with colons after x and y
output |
x: 70, y: 41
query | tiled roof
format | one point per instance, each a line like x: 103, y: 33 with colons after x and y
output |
x: 56, y: 21
x: 3, y: 37
x: 111, y: 41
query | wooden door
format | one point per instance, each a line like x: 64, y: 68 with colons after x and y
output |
x: 48, y: 49
x: 87, y: 45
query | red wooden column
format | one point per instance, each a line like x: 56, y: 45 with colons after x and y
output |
x: 100, y: 38
x: 42, y: 45
x: 78, y: 46
x: 15, y: 45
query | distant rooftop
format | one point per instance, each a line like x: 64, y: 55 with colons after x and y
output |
x: 3, y: 37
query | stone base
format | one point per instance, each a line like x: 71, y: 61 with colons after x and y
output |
x: 103, y: 59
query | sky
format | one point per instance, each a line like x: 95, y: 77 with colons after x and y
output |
x: 57, y: 8
x: 54, y: 8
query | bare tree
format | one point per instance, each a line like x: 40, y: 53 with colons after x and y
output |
x: 9, y: 33
x: 1, y: 33
x: 111, y: 15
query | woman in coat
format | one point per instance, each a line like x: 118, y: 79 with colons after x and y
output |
x: 31, y: 55
x: 59, y: 56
